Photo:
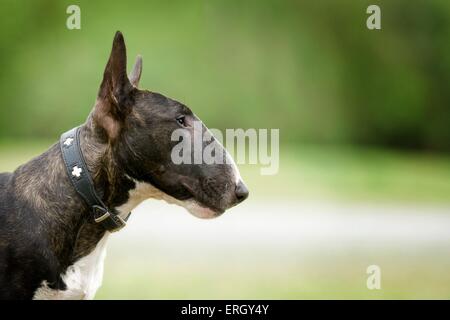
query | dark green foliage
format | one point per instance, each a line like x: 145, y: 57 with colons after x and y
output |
x: 310, y: 68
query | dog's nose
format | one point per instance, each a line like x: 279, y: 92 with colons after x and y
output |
x: 241, y: 191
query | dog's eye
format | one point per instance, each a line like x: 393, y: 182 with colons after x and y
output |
x: 181, y: 121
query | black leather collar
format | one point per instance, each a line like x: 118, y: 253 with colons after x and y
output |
x: 81, y: 180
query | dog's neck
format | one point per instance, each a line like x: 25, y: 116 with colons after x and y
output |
x: 115, y: 187
x: 111, y: 182
x: 68, y: 226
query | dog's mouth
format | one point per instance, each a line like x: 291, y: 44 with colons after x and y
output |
x: 197, y: 205
x: 202, y: 211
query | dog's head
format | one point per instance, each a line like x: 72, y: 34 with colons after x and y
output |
x: 139, y: 127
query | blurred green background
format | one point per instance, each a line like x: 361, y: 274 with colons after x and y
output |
x: 311, y: 68
x: 364, y: 118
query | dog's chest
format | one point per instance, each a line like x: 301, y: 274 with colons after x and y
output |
x: 82, y: 278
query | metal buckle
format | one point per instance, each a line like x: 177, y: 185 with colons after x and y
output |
x: 119, y: 222
x: 115, y: 219
x: 105, y: 216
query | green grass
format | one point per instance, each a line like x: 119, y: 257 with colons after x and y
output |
x: 319, y: 276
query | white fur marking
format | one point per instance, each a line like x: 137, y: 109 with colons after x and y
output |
x: 83, y: 278
x: 144, y: 191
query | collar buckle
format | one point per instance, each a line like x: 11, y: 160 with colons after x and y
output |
x: 111, y: 222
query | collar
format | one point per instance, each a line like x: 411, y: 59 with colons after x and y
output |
x: 82, y: 182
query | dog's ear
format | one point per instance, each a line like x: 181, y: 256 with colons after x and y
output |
x: 114, y: 100
x: 135, y: 75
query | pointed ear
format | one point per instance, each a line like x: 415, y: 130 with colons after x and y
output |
x: 114, y: 99
x: 135, y: 75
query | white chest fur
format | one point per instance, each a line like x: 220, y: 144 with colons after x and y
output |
x: 82, y: 278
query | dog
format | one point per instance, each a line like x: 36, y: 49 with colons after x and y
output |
x: 51, y: 245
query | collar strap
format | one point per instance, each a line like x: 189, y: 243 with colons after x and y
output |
x: 81, y: 180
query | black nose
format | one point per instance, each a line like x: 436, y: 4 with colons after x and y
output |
x: 241, y: 191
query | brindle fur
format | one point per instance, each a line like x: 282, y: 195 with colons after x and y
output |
x: 45, y: 226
